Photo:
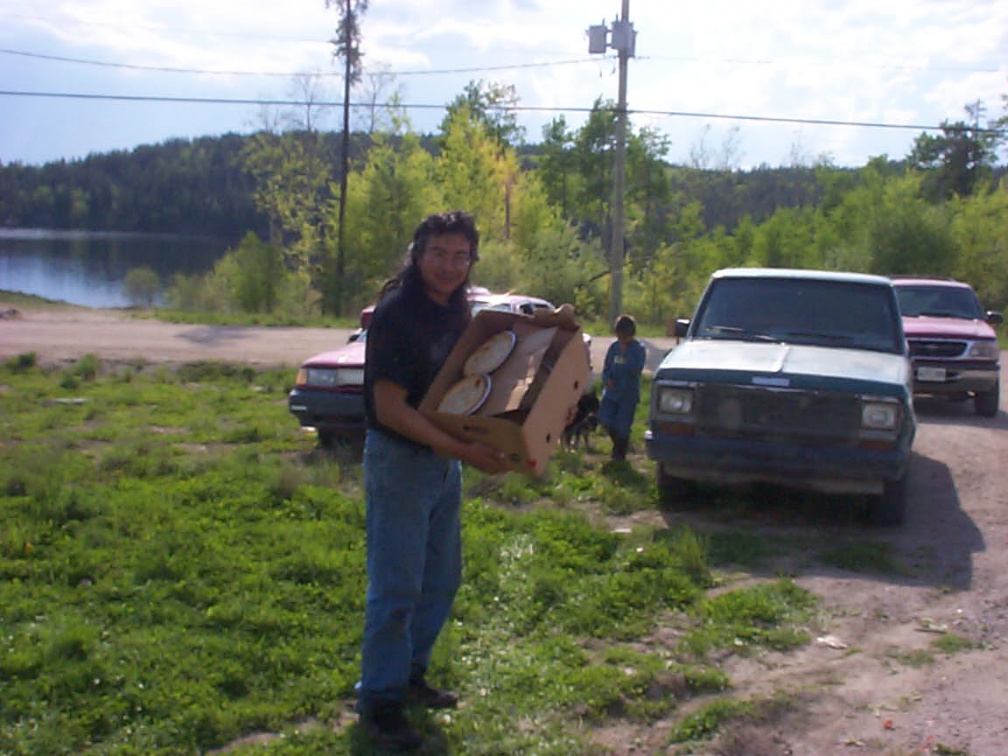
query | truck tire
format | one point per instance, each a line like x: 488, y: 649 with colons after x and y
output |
x: 986, y: 402
x: 673, y: 492
x: 890, y: 509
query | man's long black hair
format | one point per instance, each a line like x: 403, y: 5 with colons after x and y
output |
x: 435, y: 224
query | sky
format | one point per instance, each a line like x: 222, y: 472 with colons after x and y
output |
x: 727, y: 83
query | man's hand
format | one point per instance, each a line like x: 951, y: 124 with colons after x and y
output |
x: 483, y: 458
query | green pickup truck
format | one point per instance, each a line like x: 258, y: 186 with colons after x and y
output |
x: 794, y: 377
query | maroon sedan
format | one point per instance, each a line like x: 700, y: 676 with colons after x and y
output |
x: 328, y: 394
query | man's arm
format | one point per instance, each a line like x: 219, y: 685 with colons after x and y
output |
x: 396, y: 414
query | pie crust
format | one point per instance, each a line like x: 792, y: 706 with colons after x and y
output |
x: 491, y: 354
x: 466, y: 395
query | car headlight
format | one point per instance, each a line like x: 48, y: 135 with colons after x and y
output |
x: 675, y: 401
x: 984, y: 350
x: 330, y: 377
x: 879, y: 415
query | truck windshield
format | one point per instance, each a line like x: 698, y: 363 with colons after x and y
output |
x: 939, y: 302
x: 801, y: 311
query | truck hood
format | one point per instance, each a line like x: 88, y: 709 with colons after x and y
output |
x: 926, y: 327
x: 784, y: 364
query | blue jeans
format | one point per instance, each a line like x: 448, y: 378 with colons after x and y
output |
x: 414, y: 561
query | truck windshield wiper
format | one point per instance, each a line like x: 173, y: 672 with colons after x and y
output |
x: 738, y: 332
x: 943, y: 314
x: 836, y: 338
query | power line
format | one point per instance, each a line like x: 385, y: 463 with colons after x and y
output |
x: 806, y: 62
x: 516, y: 108
x: 288, y: 74
x: 137, y: 67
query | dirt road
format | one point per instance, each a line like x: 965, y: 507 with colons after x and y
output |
x: 60, y: 334
x: 886, y: 691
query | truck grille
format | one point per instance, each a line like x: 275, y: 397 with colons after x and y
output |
x: 936, y: 348
x: 779, y: 414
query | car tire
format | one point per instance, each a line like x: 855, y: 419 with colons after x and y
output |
x: 673, y: 492
x: 341, y: 442
x: 333, y: 439
x: 986, y: 402
x: 890, y: 509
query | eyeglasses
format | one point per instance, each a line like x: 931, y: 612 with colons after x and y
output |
x: 455, y: 259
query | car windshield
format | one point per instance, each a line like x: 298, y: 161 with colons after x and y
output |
x: 939, y: 302
x: 800, y: 311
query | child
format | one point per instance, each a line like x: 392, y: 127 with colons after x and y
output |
x: 621, y: 376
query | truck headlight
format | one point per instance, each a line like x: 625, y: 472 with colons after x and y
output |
x: 879, y: 415
x: 675, y: 401
x: 984, y: 350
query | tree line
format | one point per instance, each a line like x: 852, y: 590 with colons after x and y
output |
x: 544, y: 209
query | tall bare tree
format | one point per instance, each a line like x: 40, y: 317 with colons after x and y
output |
x: 308, y: 89
x: 346, y: 47
x: 378, y: 93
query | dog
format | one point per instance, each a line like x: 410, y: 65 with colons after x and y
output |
x: 579, y: 430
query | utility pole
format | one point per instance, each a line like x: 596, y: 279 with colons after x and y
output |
x: 623, y: 39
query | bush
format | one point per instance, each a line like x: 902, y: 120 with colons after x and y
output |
x: 142, y: 286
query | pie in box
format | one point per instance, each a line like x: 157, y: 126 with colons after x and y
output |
x: 466, y: 395
x: 491, y: 354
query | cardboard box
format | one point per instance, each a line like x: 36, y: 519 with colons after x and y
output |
x: 531, y: 393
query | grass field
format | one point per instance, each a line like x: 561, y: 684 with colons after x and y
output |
x: 181, y: 567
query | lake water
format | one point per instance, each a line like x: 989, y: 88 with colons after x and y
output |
x: 88, y: 268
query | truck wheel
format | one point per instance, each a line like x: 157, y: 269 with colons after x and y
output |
x: 674, y: 492
x: 986, y: 402
x: 891, y: 506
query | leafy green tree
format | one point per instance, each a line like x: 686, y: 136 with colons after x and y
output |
x: 142, y: 285
x: 647, y: 192
x: 492, y: 105
x: 258, y: 273
x: 249, y: 278
x: 786, y: 240
x: 556, y: 165
x: 886, y: 226
x: 386, y: 199
x: 956, y: 162
x: 593, y: 149
x: 292, y: 179
x: 671, y: 284
x: 472, y: 172
x: 576, y: 170
x: 980, y: 231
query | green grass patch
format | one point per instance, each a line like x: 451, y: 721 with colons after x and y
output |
x: 769, y: 615
x: 916, y: 658
x: 952, y: 643
x: 179, y: 566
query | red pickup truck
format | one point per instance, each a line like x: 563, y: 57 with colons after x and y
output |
x: 953, y: 345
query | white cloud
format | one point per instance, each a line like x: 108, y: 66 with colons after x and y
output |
x: 909, y: 61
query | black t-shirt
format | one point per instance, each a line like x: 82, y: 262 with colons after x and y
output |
x: 408, y: 340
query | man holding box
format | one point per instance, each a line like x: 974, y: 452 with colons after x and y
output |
x: 412, y: 476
